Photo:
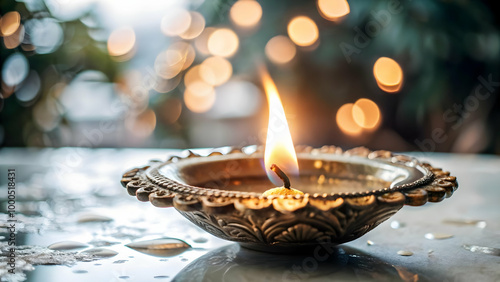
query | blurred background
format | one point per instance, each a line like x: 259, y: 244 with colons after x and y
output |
x: 387, y: 74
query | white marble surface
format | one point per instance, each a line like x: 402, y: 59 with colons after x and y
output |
x: 56, y: 187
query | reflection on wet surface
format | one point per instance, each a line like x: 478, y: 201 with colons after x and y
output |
x: 437, y: 236
x: 162, y: 247
x: 233, y: 263
x: 481, y: 249
x: 459, y: 221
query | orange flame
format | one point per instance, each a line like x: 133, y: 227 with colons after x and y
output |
x: 279, y: 145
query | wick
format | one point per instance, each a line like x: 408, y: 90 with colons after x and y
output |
x: 282, y: 175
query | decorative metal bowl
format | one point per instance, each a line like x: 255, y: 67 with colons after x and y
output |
x: 346, y: 194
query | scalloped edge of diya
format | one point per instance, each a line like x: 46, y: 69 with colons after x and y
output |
x: 306, y: 218
x: 435, y: 186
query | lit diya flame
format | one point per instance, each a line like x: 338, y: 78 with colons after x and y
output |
x: 280, y: 158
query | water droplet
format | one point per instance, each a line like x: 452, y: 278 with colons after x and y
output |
x: 397, y: 225
x: 101, y: 252
x: 123, y: 277
x: 481, y: 224
x: 200, y: 240
x: 120, y: 261
x: 161, y: 277
x: 67, y: 245
x: 163, y: 259
x: 93, y: 218
x: 103, y: 243
x: 97, y: 264
x: 163, y: 247
x: 184, y: 259
x: 159, y: 244
x: 437, y: 236
x: 477, y: 223
x: 370, y: 243
x: 484, y: 250
x: 80, y: 271
x: 405, y: 253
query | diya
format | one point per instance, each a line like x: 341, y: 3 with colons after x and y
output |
x: 346, y: 194
x: 339, y: 195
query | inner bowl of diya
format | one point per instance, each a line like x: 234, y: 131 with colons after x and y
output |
x: 338, y: 195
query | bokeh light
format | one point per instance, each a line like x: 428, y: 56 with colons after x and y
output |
x: 9, y: 23
x: 216, y: 70
x: 13, y: 40
x: 199, y: 96
x: 280, y: 49
x: 303, y: 31
x: 366, y: 114
x: 30, y: 88
x: 246, y: 13
x: 192, y: 75
x: 346, y: 122
x: 333, y: 10
x: 5, y: 90
x: 168, y: 63
x: 66, y: 10
x: 15, y: 69
x: 201, y: 42
x: 223, y: 42
x: 195, y: 28
x: 170, y: 110
x: 179, y: 56
x: 162, y: 85
x: 143, y: 124
x: 47, y: 114
x: 45, y: 34
x: 121, y: 42
x: 89, y: 96
x: 236, y: 99
x: 126, y: 81
x: 388, y: 74
x: 200, y: 55
x: 27, y: 47
x: 175, y: 22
